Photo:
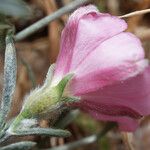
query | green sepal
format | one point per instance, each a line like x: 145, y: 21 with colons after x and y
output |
x: 62, y: 84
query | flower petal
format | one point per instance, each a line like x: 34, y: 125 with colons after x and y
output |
x: 133, y: 93
x: 85, y: 30
x: 116, y: 59
x: 124, y: 123
x: 122, y: 102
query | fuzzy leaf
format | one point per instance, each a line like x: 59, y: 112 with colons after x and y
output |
x: 10, y: 68
x: 42, y: 131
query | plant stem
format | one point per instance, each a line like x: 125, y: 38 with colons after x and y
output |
x: 43, y: 22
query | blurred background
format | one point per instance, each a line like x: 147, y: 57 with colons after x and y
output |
x: 38, y: 51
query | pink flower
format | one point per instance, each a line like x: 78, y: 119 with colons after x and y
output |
x: 111, y: 76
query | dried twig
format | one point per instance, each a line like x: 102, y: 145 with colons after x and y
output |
x: 135, y: 13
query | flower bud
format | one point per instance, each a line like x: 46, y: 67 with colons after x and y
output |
x: 45, y: 101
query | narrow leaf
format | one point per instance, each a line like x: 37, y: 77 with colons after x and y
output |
x: 42, y: 131
x: 10, y: 68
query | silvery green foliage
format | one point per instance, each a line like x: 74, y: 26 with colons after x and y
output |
x: 22, y: 126
x: 19, y: 146
x: 40, y: 131
x: 35, y: 131
x: 26, y: 123
x: 15, y: 8
x: 10, y: 68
